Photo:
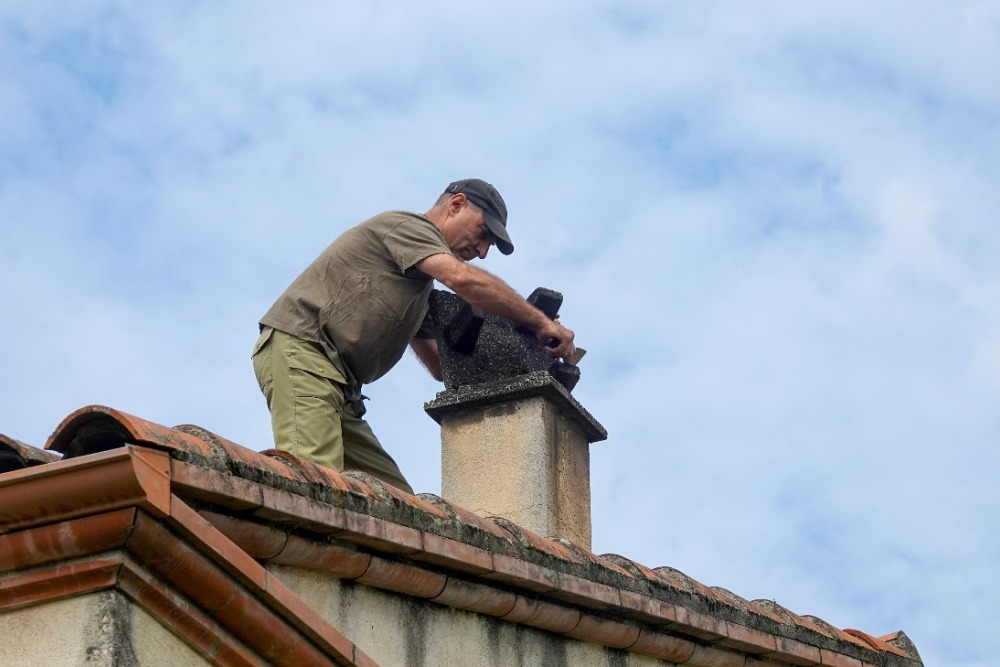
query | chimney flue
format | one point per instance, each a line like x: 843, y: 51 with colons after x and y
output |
x: 515, y: 443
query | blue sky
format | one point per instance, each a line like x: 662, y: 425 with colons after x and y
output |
x: 775, y: 226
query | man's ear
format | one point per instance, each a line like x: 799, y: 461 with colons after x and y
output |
x: 456, y: 203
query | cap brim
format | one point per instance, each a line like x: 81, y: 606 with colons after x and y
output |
x: 504, y: 244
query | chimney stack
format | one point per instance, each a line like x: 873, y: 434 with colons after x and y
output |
x: 514, y: 441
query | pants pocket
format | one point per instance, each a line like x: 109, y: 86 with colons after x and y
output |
x: 261, y: 358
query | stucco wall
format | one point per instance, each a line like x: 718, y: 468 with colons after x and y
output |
x: 398, y: 631
x: 100, y: 629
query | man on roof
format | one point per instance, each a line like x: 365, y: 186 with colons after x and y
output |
x: 348, y: 318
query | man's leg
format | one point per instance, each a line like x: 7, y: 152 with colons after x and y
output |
x: 363, y: 451
x: 309, y: 418
x: 304, y: 393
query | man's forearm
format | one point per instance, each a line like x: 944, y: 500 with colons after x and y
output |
x: 487, y: 292
x: 484, y: 290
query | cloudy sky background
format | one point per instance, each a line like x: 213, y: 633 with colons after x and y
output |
x: 776, y: 226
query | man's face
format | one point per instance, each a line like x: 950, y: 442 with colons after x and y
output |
x: 467, y: 234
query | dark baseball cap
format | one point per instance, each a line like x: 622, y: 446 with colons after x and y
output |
x: 486, y: 197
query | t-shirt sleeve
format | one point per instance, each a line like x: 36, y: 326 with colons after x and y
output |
x: 412, y: 240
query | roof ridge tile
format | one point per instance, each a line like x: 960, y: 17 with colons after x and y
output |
x: 874, y: 642
x: 610, y: 564
x: 674, y: 577
x: 216, y: 442
x: 585, y: 556
x: 637, y: 570
x: 827, y: 629
x: 731, y: 598
x: 467, y: 518
x: 377, y: 489
x: 15, y: 454
x: 528, y: 538
x: 290, y: 461
x: 901, y: 641
x: 773, y: 610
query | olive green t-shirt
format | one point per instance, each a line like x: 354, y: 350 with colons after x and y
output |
x: 362, y: 299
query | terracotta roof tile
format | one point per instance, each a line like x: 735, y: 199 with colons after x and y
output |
x: 476, y: 597
x: 835, y: 659
x: 552, y: 547
x: 899, y: 640
x: 403, y: 578
x: 544, y: 615
x: 605, y: 631
x: 339, y: 560
x: 615, y: 566
x: 876, y: 643
x: 199, y: 629
x: 796, y: 652
x: 202, y: 484
x: 286, y: 464
x: 97, y: 428
x: 701, y: 625
x: 215, y: 609
x: 677, y: 579
x: 260, y: 540
x: 648, y: 608
x: 21, y: 549
x: 747, y: 639
x: 665, y: 646
x: 823, y: 626
x: 58, y: 580
x: 468, y: 518
x: 15, y: 454
x: 731, y: 598
x: 422, y: 504
x: 523, y: 574
x: 773, y: 610
x: 223, y: 450
x: 584, y: 556
x: 360, y: 484
x: 448, y: 552
x: 381, y: 534
x: 586, y: 591
x: 637, y: 570
x: 807, y: 622
x: 278, y: 507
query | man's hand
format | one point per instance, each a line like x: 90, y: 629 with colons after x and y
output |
x: 557, y: 339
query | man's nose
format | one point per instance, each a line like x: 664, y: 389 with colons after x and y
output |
x: 482, y: 249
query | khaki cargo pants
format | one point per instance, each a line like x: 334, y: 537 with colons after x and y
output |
x: 310, y: 416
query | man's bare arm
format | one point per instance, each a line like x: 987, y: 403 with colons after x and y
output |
x: 484, y: 290
x: 426, y: 350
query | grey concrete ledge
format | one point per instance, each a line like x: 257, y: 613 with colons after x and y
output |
x: 529, y: 385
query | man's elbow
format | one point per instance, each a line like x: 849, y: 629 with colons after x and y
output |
x: 463, y: 280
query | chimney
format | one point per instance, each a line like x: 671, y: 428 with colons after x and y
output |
x: 514, y: 441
